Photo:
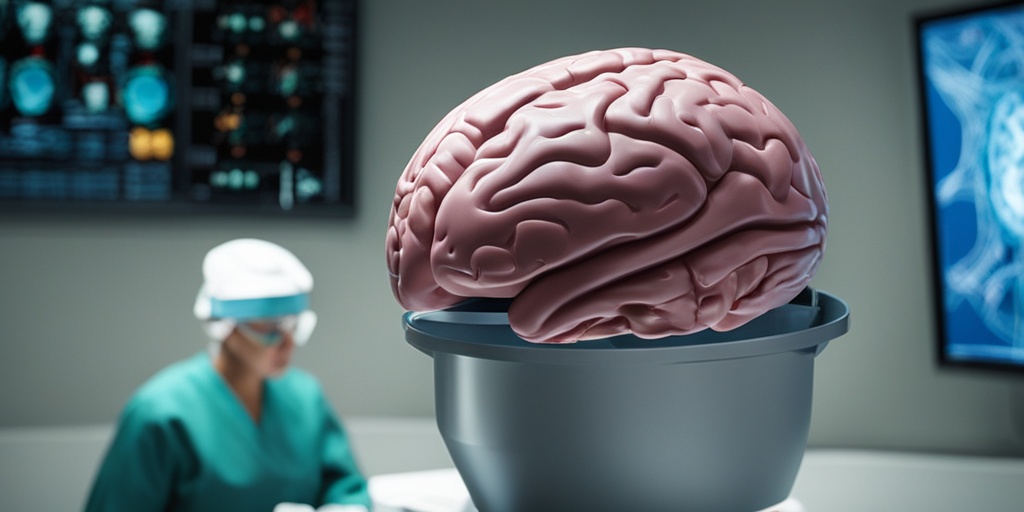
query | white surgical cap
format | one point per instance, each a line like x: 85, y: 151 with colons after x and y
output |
x: 246, y: 279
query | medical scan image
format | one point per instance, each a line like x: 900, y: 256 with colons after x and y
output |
x: 973, y: 70
x: 161, y: 106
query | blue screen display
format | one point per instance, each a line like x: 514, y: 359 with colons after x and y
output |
x: 972, y: 70
x: 181, y: 106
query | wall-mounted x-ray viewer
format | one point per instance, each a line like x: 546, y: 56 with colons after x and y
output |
x: 971, y: 67
x: 183, y: 106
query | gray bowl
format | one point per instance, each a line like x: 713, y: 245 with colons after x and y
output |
x: 712, y: 421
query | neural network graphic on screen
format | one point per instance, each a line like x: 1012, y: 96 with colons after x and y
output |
x: 973, y: 82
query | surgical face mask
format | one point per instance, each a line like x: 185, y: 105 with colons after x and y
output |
x: 269, y: 331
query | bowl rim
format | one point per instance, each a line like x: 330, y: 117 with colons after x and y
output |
x: 445, y: 332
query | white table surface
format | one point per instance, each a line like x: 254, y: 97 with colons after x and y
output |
x: 442, y: 490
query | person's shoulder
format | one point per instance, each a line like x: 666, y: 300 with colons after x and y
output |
x: 171, y: 389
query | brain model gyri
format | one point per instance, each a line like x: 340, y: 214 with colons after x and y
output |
x: 622, y: 191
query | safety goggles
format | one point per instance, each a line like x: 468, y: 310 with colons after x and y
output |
x: 269, y: 331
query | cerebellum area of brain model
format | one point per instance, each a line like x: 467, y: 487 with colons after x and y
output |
x: 622, y: 191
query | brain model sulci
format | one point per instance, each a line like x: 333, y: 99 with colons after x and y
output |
x: 620, y: 191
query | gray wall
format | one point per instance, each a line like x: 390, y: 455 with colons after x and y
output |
x: 91, y: 306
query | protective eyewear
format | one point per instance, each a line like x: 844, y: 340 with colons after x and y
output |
x: 269, y: 331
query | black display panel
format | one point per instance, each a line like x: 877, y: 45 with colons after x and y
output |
x: 971, y: 70
x: 178, y: 106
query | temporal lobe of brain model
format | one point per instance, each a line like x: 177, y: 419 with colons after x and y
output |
x: 622, y: 191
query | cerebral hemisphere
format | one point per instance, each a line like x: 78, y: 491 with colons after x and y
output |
x: 621, y: 191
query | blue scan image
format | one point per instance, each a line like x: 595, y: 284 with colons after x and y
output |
x: 146, y: 95
x: 974, y: 68
x: 87, y: 54
x: 95, y: 96
x: 35, y: 20
x: 93, y: 22
x: 32, y: 86
x: 149, y: 27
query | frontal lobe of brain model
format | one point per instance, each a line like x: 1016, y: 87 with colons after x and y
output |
x: 622, y: 191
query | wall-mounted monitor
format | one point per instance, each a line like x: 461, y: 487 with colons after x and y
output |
x: 971, y: 69
x: 178, y: 106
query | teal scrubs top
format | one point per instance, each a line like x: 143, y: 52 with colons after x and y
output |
x: 185, y: 442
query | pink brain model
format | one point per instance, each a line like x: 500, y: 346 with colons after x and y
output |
x: 623, y: 191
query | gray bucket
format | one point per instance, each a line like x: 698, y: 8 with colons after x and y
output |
x: 712, y: 421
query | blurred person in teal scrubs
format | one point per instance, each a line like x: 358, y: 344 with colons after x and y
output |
x: 235, y: 427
